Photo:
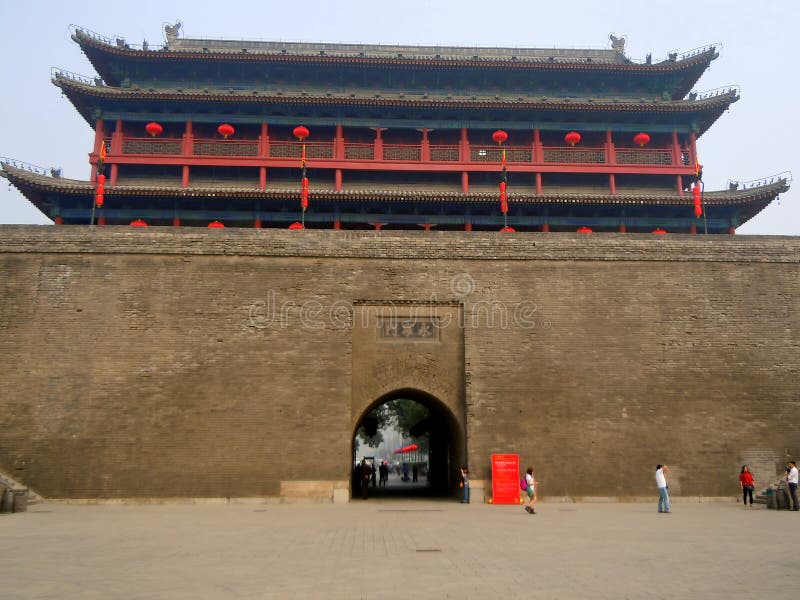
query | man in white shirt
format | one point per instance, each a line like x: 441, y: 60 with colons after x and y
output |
x: 661, y: 484
x: 791, y: 479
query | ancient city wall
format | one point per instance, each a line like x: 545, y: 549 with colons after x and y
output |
x: 187, y: 362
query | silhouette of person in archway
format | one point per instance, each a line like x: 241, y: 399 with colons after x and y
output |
x: 366, y: 476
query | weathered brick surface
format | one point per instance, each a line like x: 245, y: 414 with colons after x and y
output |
x: 189, y: 362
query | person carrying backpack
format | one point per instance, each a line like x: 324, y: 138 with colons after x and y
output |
x: 531, y: 491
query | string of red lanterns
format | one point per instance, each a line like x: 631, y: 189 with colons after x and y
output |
x: 697, y: 190
x: 697, y: 196
x: 301, y: 133
x: 500, y: 137
x: 101, y: 188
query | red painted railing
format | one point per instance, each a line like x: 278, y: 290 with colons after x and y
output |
x: 523, y: 155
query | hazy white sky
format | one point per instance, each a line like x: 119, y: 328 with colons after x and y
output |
x: 756, y: 138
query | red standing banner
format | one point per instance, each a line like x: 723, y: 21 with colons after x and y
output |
x: 505, y: 479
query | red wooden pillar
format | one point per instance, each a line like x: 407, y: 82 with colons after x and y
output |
x: 176, y: 221
x: 99, y: 137
x: 692, y: 228
x: 338, y: 143
x: 731, y: 230
x: 676, y: 150
x: 263, y: 140
x: 337, y: 224
x: 546, y: 227
x: 59, y: 220
x: 538, y: 184
x: 611, y: 152
x: 679, y: 184
x: 612, y: 184
x: 117, y: 139
x: 378, y: 143
x: 262, y: 177
x: 538, y: 153
x: 425, y: 151
x: 693, y: 148
x: 257, y: 223
x: 463, y: 146
x: 338, y: 180
x: 465, y: 182
x: 622, y: 228
x: 188, y: 150
x: 468, y: 226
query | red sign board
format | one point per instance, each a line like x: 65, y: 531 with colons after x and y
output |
x: 505, y: 479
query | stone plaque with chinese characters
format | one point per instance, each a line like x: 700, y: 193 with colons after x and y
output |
x: 408, y: 329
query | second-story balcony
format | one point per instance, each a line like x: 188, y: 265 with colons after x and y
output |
x: 378, y: 155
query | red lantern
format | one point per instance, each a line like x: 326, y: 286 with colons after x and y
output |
x: 138, y: 223
x: 572, y: 138
x: 499, y: 136
x: 300, y: 132
x: 508, y: 229
x: 658, y: 231
x: 504, y: 207
x: 153, y: 129
x: 296, y: 225
x: 584, y: 230
x: 99, y: 199
x: 502, y: 187
x: 215, y: 225
x: 226, y: 130
x: 641, y: 139
x: 698, y: 202
x: 101, y: 179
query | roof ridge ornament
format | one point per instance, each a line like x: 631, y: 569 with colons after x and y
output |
x: 171, y: 32
x: 617, y: 43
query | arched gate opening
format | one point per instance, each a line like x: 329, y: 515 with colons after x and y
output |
x: 417, y: 440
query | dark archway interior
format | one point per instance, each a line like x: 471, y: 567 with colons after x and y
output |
x: 431, y: 427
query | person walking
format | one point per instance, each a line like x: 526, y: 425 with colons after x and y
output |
x: 531, y: 482
x: 663, y: 493
x: 464, y: 485
x: 748, y: 485
x: 791, y: 479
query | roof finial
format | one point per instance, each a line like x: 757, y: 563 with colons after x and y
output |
x: 172, y: 31
x: 617, y: 43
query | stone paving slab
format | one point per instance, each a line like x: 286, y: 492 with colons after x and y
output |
x: 399, y: 549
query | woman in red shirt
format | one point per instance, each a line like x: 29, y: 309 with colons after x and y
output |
x: 748, y: 485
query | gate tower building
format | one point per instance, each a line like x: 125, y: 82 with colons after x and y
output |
x: 400, y: 137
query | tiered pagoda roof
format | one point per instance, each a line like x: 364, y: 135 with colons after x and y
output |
x: 439, y: 104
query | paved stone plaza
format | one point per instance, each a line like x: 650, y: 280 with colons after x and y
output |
x: 399, y: 549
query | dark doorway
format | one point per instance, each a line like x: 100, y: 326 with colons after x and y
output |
x: 417, y: 441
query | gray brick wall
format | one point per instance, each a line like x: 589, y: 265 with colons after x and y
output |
x: 188, y: 362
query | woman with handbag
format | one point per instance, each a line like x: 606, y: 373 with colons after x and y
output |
x: 748, y: 485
